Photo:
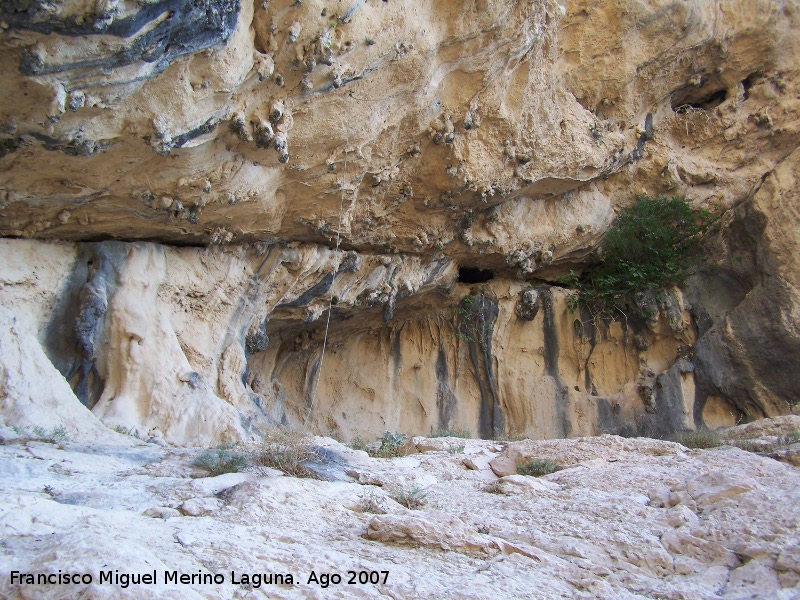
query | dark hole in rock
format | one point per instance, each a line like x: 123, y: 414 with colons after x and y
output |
x: 691, y: 97
x: 474, y: 275
x: 748, y: 82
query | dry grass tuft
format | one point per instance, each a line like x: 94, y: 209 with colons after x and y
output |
x: 412, y: 498
x: 287, y: 450
x: 537, y: 468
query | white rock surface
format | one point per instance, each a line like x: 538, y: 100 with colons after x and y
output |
x: 577, y: 533
x: 34, y: 397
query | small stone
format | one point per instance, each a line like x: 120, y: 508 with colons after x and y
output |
x: 263, y: 134
x: 191, y: 378
x: 468, y: 122
x: 276, y: 111
x: 161, y: 512
x: 527, y: 305
x: 294, y: 31
x: 280, y: 143
x: 198, y: 507
x: 76, y: 100
x: 504, y: 465
x: 640, y: 342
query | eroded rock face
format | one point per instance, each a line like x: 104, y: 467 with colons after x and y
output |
x: 168, y: 351
x: 497, y: 136
x: 764, y: 247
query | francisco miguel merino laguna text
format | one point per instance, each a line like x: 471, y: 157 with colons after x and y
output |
x: 124, y: 580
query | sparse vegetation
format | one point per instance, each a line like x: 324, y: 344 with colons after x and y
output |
x: 702, y: 438
x: 359, y: 443
x: 456, y: 448
x: 412, y: 498
x: 391, y: 445
x: 56, y: 435
x: 537, y: 467
x: 370, y: 502
x: 458, y: 433
x: 762, y: 445
x: 519, y: 437
x: 472, y: 326
x: 222, y: 460
x: 286, y: 450
x: 652, y: 245
x: 123, y: 431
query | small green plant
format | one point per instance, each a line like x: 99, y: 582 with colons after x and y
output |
x: 412, y: 498
x: 455, y: 448
x: 359, y: 443
x: 537, y: 467
x: 702, y: 438
x: 131, y: 432
x: 652, y: 245
x: 792, y: 437
x: 392, y: 445
x: 56, y: 435
x: 468, y: 220
x: 221, y: 460
x: 459, y: 433
x: 471, y: 321
x: 287, y: 450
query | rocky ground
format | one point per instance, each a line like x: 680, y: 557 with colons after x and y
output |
x: 177, y: 176
x: 622, y: 518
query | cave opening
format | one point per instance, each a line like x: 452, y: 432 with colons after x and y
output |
x: 686, y: 99
x: 474, y: 275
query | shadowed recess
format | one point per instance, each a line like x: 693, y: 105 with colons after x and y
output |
x: 474, y: 275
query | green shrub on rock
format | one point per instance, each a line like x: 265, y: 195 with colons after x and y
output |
x: 652, y: 245
x: 537, y: 468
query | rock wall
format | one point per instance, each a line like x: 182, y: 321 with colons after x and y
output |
x: 189, y: 168
x: 207, y: 346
